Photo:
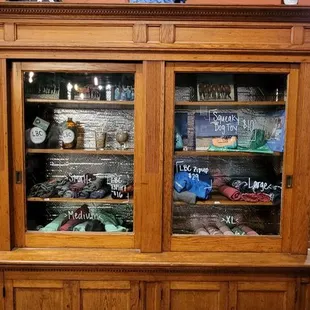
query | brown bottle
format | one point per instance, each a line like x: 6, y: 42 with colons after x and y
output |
x: 69, y: 135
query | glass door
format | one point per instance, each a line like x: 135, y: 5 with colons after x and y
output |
x: 229, y: 156
x: 74, y: 145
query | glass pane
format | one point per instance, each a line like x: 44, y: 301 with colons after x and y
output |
x: 229, y: 144
x: 79, y: 133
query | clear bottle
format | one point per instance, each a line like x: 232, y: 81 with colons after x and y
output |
x: 69, y: 134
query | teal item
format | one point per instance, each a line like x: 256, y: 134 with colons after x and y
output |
x: 258, y: 139
x: 263, y: 149
x: 56, y: 223
x: 178, y: 141
x: 111, y: 224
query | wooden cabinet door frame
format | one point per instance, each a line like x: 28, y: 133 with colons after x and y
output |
x: 276, y: 244
x: 23, y: 238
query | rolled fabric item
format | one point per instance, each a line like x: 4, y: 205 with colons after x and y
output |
x: 68, y: 194
x: 83, y: 194
x: 230, y: 192
x: 249, y: 231
x: 96, y: 184
x: 111, y: 224
x: 101, y: 193
x: 255, y: 197
x: 186, y: 196
x: 78, y: 216
x: 237, y: 231
x: 214, y: 231
x: 56, y: 223
x: 62, y: 189
x: 225, y: 230
x: 201, y: 231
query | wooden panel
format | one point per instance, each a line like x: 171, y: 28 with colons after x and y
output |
x: 237, y: 36
x: 139, y: 122
x: 140, y: 33
x: 105, y: 299
x: 298, y: 34
x: 264, y: 295
x: 167, y: 33
x: 110, y: 295
x: 300, y: 215
x: 153, y: 296
x: 109, y: 285
x: 307, y: 35
x: 152, y: 162
x: 9, y: 32
x: 34, y: 295
x: 66, y: 35
x: 4, y: 162
x: 289, y: 156
x: 17, y: 127
x: 222, y: 244
x: 198, y: 296
x: 79, y: 240
x: 78, y: 67
x: 153, y: 34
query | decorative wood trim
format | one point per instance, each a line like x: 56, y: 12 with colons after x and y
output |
x: 158, y: 12
x: 9, y: 32
x: 300, y: 215
x: 139, y: 33
x: 297, y: 36
x: 4, y: 162
x: 167, y: 33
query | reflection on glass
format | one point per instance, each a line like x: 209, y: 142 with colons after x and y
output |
x: 229, y: 143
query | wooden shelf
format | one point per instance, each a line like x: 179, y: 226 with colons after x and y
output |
x: 80, y: 151
x: 44, y: 101
x: 214, y: 153
x: 107, y: 200
x: 230, y: 103
x: 218, y: 200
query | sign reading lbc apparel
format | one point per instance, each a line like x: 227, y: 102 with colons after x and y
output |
x: 216, y: 124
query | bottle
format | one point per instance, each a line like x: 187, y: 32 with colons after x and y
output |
x: 80, y: 132
x: 69, y: 135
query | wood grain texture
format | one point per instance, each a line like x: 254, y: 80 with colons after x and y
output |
x: 300, y: 215
x: 9, y: 32
x: 5, y: 236
x: 168, y: 156
x: 167, y: 33
x: 297, y: 35
x: 140, y: 33
x: 152, y: 160
x: 18, y: 164
x: 139, y: 142
x: 154, y: 296
x: 80, y: 151
x: 79, y: 240
x: 82, y: 257
x: 198, y: 295
x: 267, y: 295
x: 71, y: 292
x: 289, y: 156
x: 157, y: 12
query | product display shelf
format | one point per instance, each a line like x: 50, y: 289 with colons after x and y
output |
x: 218, y: 199
x: 230, y: 103
x: 107, y: 200
x: 81, y: 151
x: 228, y: 154
x: 64, y: 101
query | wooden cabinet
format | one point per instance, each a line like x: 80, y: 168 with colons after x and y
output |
x: 141, y: 70
x: 57, y: 294
x: 197, y: 295
x: 263, y: 295
x: 32, y: 294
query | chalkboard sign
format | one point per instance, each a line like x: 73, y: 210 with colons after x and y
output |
x: 216, y: 124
